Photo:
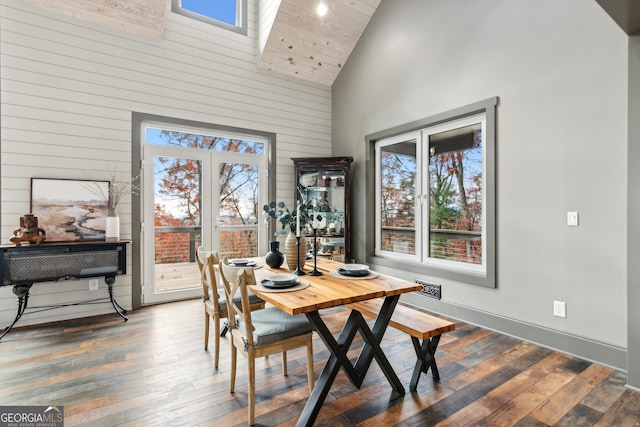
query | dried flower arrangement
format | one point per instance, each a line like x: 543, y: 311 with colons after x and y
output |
x: 118, y: 188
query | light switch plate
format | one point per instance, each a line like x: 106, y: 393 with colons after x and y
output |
x: 572, y: 219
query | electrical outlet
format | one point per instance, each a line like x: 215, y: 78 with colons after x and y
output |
x: 559, y: 309
x: 93, y: 284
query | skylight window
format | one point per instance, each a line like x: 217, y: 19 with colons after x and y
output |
x: 229, y: 14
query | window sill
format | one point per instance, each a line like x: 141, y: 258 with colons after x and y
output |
x: 458, y: 275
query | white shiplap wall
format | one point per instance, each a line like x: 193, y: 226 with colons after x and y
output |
x: 69, y: 88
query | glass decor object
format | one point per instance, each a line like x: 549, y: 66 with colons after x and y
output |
x: 323, y: 191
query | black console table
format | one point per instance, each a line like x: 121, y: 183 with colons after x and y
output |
x: 22, y: 266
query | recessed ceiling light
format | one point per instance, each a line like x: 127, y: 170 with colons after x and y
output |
x: 322, y: 9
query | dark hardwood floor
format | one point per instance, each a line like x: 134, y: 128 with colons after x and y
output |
x: 153, y: 370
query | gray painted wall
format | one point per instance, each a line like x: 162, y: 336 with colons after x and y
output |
x: 560, y: 70
x: 633, y: 291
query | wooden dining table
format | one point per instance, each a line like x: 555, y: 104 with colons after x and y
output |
x: 332, y: 290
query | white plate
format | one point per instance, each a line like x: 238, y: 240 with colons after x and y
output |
x: 239, y: 261
x: 282, y: 278
x: 354, y: 267
x: 309, y: 179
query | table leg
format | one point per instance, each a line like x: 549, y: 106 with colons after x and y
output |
x: 372, y: 349
x: 22, y: 296
x: 426, y: 359
x: 339, y: 348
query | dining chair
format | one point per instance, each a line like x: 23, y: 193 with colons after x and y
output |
x: 215, y: 305
x: 261, y: 333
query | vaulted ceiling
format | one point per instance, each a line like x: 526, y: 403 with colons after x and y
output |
x: 314, y: 48
x: 296, y: 40
x: 303, y: 44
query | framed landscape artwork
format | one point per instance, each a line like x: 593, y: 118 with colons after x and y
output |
x: 70, y: 210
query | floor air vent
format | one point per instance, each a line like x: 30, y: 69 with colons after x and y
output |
x: 430, y: 289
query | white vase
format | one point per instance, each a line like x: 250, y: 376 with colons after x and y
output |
x: 112, y: 227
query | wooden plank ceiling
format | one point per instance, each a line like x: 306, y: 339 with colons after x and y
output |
x: 140, y: 17
x: 303, y: 44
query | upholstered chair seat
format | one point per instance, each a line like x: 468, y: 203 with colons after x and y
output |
x: 271, y: 325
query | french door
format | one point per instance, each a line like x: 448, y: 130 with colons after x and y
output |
x: 193, y: 197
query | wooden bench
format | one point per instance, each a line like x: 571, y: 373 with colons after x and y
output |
x: 420, y: 326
